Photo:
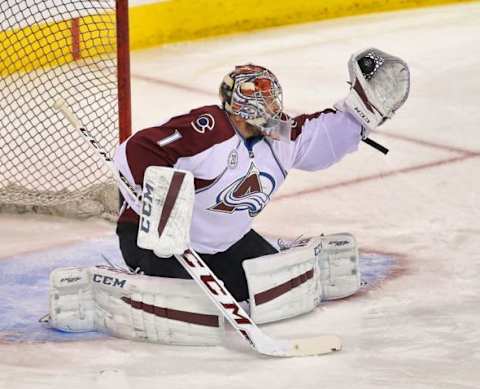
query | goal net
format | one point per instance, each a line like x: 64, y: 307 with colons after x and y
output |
x: 76, y: 50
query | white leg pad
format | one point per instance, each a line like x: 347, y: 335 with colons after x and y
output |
x: 295, y: 281
x: 153, y: 309
x: 283, y: 285
x: 71, y: 301
x: 338, y: 260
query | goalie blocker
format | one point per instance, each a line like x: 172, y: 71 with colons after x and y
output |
x: 166, y: 213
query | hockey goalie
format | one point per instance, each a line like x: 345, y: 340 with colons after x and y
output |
x: 205, y: 175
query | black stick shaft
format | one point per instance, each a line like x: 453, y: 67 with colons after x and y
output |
x: 376, y: 145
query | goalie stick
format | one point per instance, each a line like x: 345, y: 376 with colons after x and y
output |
x: 212, y: 286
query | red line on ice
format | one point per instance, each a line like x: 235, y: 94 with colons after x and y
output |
x: 376, y: 176
x: 426, y: 143
x: 171, y: 84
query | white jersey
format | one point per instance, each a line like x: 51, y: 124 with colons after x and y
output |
x: 234, y: 177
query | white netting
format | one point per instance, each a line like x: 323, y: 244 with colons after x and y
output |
x: 51, y: 49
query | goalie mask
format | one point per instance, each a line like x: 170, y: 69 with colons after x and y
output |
x: 254, y: 93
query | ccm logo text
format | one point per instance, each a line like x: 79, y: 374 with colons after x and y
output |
x: 106, y: 280
x: 147, y: 203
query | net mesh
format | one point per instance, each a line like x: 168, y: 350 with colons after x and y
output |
x: 52, y: 49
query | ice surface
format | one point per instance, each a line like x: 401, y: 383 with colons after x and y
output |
x: 419, y: 327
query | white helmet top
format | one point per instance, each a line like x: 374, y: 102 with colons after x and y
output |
x: 254, y: 93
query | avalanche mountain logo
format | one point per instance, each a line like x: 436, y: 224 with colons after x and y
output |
x: 249, y: 193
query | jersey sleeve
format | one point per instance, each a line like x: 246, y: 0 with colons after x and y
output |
x: 323, y: 138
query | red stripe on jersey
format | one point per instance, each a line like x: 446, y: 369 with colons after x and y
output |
x: 300, y: 120
x: 201, y: 183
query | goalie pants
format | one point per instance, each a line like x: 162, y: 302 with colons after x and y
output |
x: 226, y: 265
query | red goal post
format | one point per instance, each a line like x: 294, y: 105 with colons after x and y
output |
x: 77, y: 50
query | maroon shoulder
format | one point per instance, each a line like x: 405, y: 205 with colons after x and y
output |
x: 197, y: 131
x: 300, y: 120
x: 182, y: 136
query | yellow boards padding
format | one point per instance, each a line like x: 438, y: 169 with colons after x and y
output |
x: 51, y: 44
x: 48, y: 45
x: 179, y: 20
